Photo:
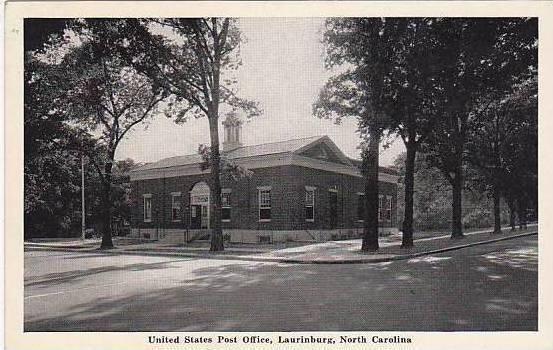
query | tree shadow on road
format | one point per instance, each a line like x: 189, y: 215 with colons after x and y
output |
x: 443, y: 293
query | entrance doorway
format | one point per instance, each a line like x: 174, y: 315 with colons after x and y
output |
x: 199, y: 206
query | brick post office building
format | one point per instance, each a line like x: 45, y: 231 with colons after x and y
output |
x: 303, y: 189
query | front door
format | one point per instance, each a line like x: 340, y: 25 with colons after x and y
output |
x: 333, y: 209
x: 196, y: 217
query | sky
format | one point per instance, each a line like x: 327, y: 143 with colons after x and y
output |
x: 283, y: 69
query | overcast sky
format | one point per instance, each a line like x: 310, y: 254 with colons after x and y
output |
x: 283, y: 70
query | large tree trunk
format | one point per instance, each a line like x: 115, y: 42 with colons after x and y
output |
x: 217, y: 243
x: 407, y: 238
x: 370, y: 165
x: 107, y: 241
x: 457, y: 203
x: 216, y: 225
x: 496, y: 210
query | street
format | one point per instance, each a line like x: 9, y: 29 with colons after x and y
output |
x: 486, y: 287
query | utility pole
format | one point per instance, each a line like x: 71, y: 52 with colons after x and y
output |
x: 83, y: 213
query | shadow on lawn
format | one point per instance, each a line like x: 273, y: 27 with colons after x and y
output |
x: 449, y: 292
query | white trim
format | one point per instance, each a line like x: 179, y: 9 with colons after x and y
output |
x: 335, y: 190
x: 310, y: 188
x: 226, y: 190
x: 175, y: 193
x: 337, y: 168
x: 264, y: 188
x: 327, y: 141
x: 147, y: 195
x: 360, y: 193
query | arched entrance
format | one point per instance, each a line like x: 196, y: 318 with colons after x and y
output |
x: 199, y: 206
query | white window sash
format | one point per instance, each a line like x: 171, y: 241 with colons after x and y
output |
x: 262, y: 202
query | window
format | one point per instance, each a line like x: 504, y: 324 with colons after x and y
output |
x: 264, y: 194
x: 225, y: 204
x: 148, y: 207
x: 360, y: 206
x: 389, y: 208
x: 309, y: 203
x: 380, y: 207
x: 175, y: 206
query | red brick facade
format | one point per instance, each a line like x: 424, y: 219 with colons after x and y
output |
x: 287, y: 200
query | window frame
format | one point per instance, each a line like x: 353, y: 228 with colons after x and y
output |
x: 261, y: 206
x: 310, y: 189
x: 148, y: 197
x: 173, y: 196
x: 227, y: 192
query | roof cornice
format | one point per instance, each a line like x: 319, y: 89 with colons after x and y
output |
x: 258, y: 162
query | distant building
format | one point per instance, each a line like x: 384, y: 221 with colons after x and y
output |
x: 302, y: 189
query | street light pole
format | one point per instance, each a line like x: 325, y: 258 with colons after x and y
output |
x: 83, y: 213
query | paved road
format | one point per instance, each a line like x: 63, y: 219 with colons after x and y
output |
x: 489, y: 287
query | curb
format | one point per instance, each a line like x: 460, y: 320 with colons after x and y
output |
x: 277, y: 260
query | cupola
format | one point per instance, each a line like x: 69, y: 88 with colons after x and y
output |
x: 233, y: 132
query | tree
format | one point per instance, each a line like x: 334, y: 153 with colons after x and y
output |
x: 411, y: 92
x: 367, y: 48
x: 194, y: 63
x: 104, y: 96
x: 503, y: 144
x: 477, y: 58
x: 51, y: 167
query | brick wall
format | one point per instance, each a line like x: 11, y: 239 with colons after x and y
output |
x: 287, y: 199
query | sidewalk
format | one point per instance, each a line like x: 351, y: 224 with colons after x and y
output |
x: 333, y: 252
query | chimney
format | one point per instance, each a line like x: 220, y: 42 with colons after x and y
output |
x: 233, y: 132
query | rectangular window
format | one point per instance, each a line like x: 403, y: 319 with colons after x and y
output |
x: 380, y: 207
x: 360, y: 206
x: 175, y: 206
x: 388, y: 208
x: 309, y: 204
x: 147, y: 207
x: 225, y: 204
x: 264, y: 195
